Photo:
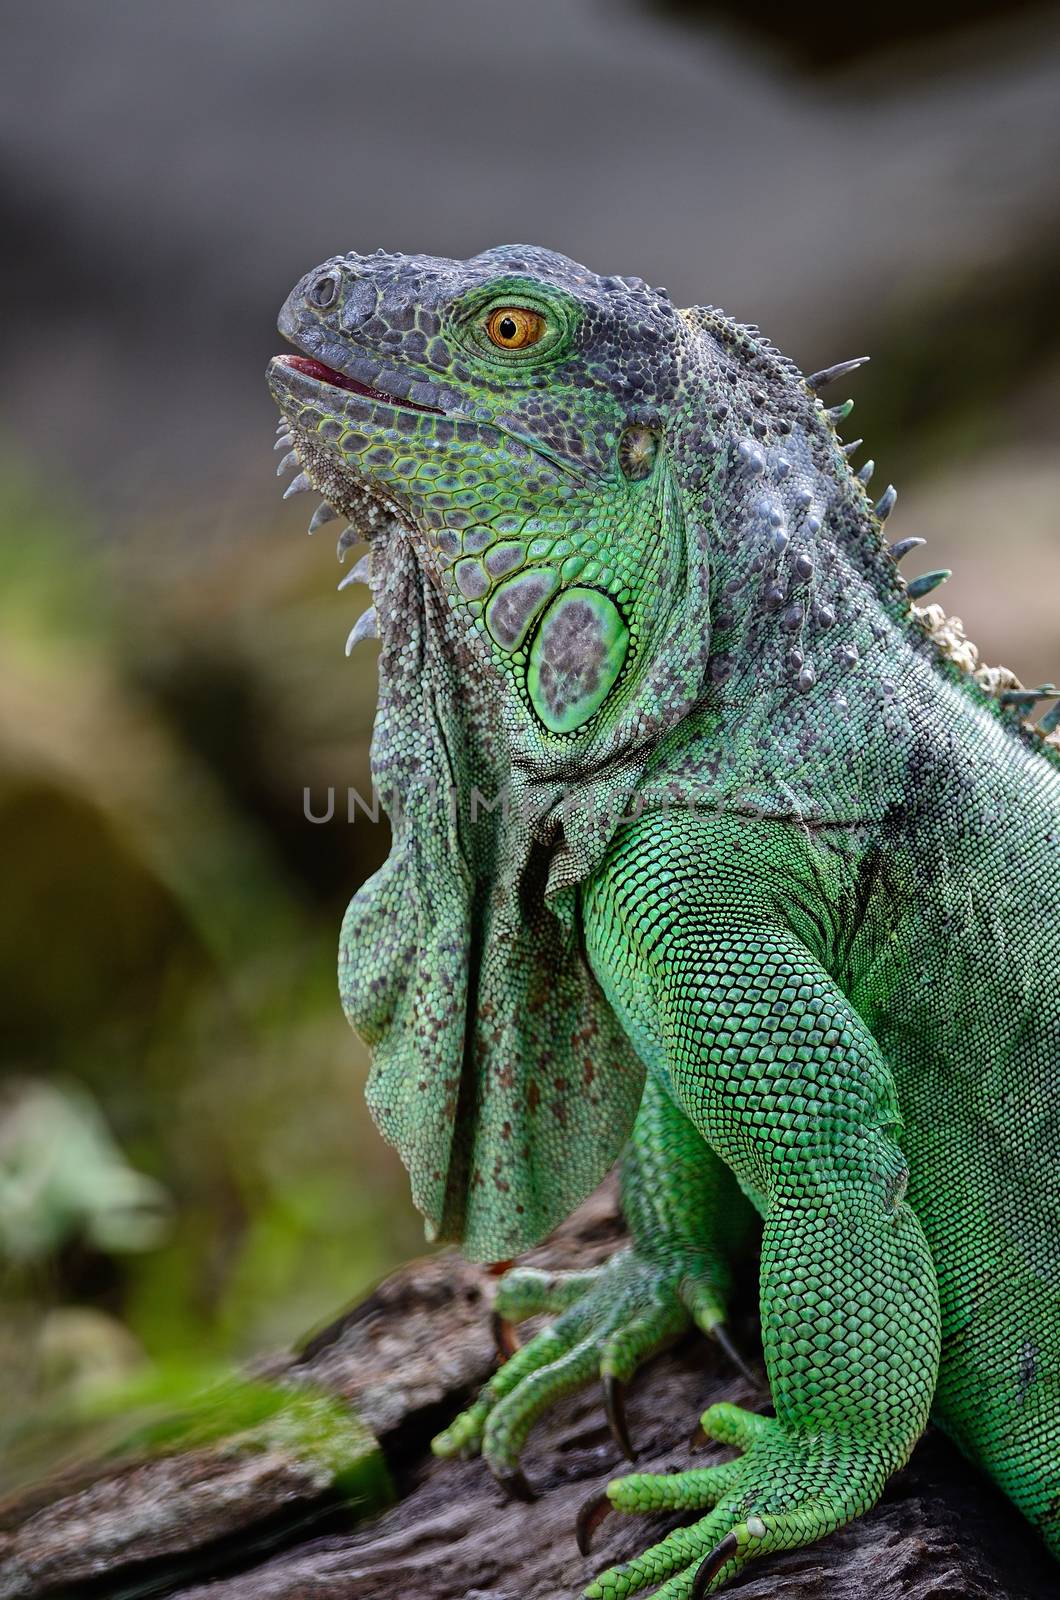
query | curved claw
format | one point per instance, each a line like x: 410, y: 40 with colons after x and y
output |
x: 711, y: 1565
x: 515, y: 1485
x: 505, y: 1338
x: 590, y: 1515
x: 721, y: 1333
x: 615, y: 1406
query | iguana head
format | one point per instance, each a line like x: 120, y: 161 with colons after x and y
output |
x: 509, y: 414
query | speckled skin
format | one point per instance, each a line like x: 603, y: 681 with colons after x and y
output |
x: 706, y: 849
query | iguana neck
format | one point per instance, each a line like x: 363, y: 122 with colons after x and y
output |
x: 800, y: 581
x: 812, y: 644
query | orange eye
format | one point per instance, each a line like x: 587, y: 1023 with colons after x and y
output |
x: 514, y: 327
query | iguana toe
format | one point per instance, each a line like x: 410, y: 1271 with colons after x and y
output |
x: 505, y: 1336
x: 615, y: 1406
x: 516, y: 1485
x: 720, y: 1333
x: 785, y: 1491
x: 591, y: 1514
x: 611, y: 1320
x: 711, y: 1566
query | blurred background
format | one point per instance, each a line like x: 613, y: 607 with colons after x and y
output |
x: 187, y: 1172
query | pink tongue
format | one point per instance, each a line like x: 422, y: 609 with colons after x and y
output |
x: 323, y: 374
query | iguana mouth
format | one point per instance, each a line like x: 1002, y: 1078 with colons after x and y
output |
x: 309, y: 367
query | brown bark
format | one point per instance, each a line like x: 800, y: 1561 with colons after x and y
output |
x: 218, y: 1524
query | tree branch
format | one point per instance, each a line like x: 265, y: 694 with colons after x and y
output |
x: 258, y: 1521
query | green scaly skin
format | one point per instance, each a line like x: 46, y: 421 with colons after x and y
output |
x: 685, y: 1215
x: 709, y: 848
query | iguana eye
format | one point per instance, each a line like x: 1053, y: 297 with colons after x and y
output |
x: 515, y: 327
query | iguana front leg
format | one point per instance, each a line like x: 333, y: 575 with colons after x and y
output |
x: 686, y: 1216
x: 780, y: 1075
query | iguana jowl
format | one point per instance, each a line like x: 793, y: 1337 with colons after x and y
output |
x: 709, y: 850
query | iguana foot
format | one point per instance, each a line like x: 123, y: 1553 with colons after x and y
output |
x: 609, y: 1321
x: 786, y: 1490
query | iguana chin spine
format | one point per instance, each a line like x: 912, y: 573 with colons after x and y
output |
x: 710, y: 848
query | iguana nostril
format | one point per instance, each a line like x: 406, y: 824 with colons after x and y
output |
x: 322, y: 292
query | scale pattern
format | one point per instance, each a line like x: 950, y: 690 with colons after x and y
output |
x: 709, y: 848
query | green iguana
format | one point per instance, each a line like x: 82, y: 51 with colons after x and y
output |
x: 711, y: 851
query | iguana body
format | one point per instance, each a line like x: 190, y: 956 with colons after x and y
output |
x: 770, y: 900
